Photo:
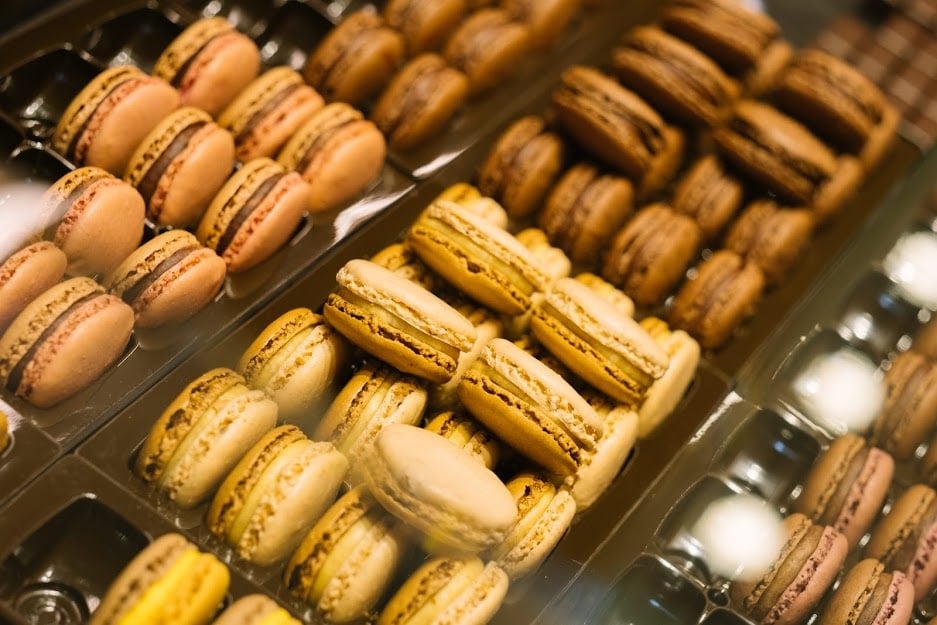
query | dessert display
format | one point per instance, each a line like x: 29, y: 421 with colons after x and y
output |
x: 462, y: 311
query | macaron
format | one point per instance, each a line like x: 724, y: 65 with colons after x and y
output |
x: 374, y: 397
x: 454, y: 503
x: 448, y: 590
x: 909, y: 415
x: 167, y: 279
x: 356, y: 59
x: 63, y: 341
x: 169, y: 581
x: 348, y: 559
x: 27, y: 273
x: 480, y: 259
x: 468, y: 435
x: 617, y: 127
x: 839, y: 103
x: 904, y: 539
x: 295, y: 360
x: 544, y: 515
x: 254, y: 214
x: 425, y: 25
x: 530, y: 407
x: 780, y: 153
x: 268, y: 111
x: 111, y: 115
x: 709, y: 194
x: 419, y: 101
x: 255, y: 610
x: 649, y: 256
x: 100, y: 219
x: 609, y: 351
x: 521, y: 166
x: 870, y: 593
x: 847, y: 486
x: 398, y: 321
x: 745, y: 42
x: 584, y: 209
x: 722, y: 295
x: 662, y: 398
x: 487, y: 47
x: 210, y: 62
x: 180, y: 166
x: 771, y: 237
x: 608, y: 291
x: 554, y: 263
x: 202, y: 434
x: 275, y: 494
x: 806, y: 567
x: 612, y: 450
x: 675, y: 77
x: 468, y: 196
x: 338, y: 152
x: 401, y: 259
x: 546, y: 19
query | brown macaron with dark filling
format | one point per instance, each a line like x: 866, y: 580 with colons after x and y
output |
x: 772, y: 237
x: 488, y: 47
x: 425, y: 25
x: 547, y: 19
x: 909, y: 415
x: 709, y: 194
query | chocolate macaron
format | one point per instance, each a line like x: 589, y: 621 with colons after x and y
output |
x: 356, y: 59
x: 63, y: 341
x: 268, y: 111
x: 105, y: 122
x: 180, y: 166
x: 338, y: 152
x: 772, y: 237
x: 100, y: 219
x: 488, y: 46
x: 909, y: 415
x: 617, y: 127
x: 210, y: 62
x: 254, y: 214
x: 546, y: 19
x: 425, y: 25
x: 869, y: 593
x: 709, y: 194
x: 25, y: 274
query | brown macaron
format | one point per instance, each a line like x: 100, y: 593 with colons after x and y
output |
x: 723, y: 295
x: 709, y: 194
x: 338, y: 152
x: 648, y: 257
x: 772, y: 237
x: 617, y: 127
x: 870, y: 593
x: 356, y: 59
x: 419, y: 101
x: 488, y: 47
x: 837, y: 102
x: 425, y: 25
x: 584, y: 210
x: 521, y: 166
x: 909, y: 415
x: 547, y: 19
x: 677, y: 78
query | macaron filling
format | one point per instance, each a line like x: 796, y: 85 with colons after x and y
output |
x: 869, y: 460
x: 16, y: 373
x: 135, y: 290
x: 246, y: 210
x: 268, y: 107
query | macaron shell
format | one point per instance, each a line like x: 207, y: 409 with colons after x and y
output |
x: 25, y: 275
x: 620, y: 432
x: 910, y: 411
x: 773, y: 238
x: 253, y: 610
x: 426, y: 25
x: 666, y: 393
x: 101, y: 227
x: 547, y: 19
x: 709, y: 194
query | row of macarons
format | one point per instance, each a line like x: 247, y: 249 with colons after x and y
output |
x: 171, y: 580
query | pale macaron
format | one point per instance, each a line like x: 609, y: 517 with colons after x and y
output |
x: 608, y: 291
x: 63, y: 341
x: 167, y: 279
x: 275, y: 494
x: 448, y: 590
x: 606, y: 349
x: 105, y: 122
x: 478, y: 258
x: 255, y: 610
x: 210, y: 62
x: 27, y: 273
x: 374, y: 397
x: 530, y: 407
x: 180, y: 166
x: 295, y: 360
x: 399, y: 258
x: 683, y: 354
x: 452, y: 501
x: 254, y: 214
x: 100, y: 219
x: 268, y: 111
x: 338, y: 152
x: 202, y: 434
x: 398, y: 321
x: 544, y: 515
x: 468, y: 435
x: 348, y: 559
x: 468, y: 196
